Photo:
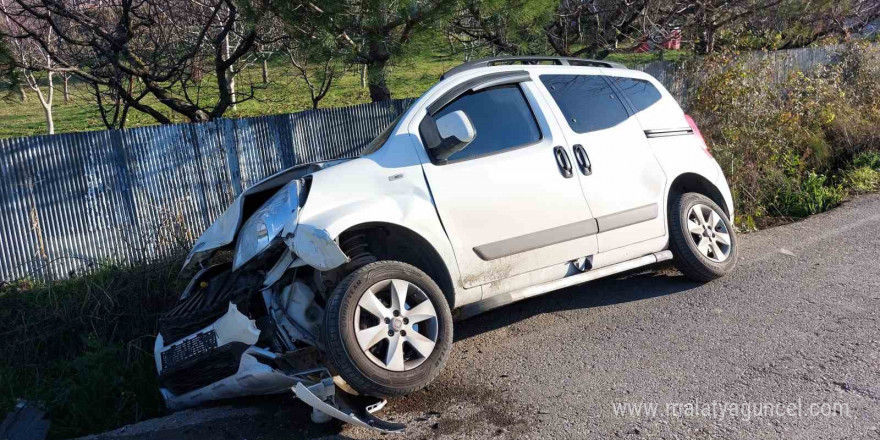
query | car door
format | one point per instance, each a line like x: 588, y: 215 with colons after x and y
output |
x: 505, y: 202
x: 619, y: 175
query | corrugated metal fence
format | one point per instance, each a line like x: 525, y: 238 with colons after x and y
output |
x: 69, y: 201
x: 680, y: 81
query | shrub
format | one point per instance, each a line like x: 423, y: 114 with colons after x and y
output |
x: 807, y: 196
x: 862, y: 179
x: 868, y: 159
x: 777, y: 141
x: 82, y: 347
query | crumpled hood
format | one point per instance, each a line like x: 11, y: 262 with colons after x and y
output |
x: 224, y: 229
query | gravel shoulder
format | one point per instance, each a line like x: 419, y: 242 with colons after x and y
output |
x: 797, y: 323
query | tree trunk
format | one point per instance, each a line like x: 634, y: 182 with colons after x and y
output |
x: 706, y: 29
x: 265, y: 71
x: 231, y: 74
x: 45, y: 101
x: 364, y: 76
x: 710, y: 40
x: 22, y: 95
x: 376, y: 80
x: 50, y: 121
x: 66, y: 90
x: 706, y: 44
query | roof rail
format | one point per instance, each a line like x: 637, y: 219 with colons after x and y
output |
x: 531, y: 59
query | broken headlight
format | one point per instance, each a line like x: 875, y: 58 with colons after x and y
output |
x: 266, y: 224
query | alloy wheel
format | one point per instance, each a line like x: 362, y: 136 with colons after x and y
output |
x: 709, y: 232
x: 397, y: 325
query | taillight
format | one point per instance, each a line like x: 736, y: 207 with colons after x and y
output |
x: 698, y: 134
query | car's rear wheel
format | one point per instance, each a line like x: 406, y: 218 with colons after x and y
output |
x: 387, y: 329
x: 702, y: 240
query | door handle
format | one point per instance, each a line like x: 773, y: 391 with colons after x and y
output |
x: 583, y: 160
x: 563, y: 162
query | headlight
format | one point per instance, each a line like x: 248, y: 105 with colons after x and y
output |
x: 266, y: 224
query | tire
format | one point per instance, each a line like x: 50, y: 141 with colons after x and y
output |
x: 360, y: 367
x: 690, y: 258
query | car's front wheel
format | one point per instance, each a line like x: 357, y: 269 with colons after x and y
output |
x: 702, y: 240
x: 387, y: 329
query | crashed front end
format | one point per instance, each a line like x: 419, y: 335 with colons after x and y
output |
x: 249, y: 322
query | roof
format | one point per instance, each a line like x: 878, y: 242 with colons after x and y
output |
x: 559, y: 61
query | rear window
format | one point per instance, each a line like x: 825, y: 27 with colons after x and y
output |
x: 587, y: 101
x: 641, y: 93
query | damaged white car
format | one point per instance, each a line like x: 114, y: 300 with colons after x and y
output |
x: 508, y: 179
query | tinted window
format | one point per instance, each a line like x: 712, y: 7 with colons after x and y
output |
x: 587, y: 101
x: 641, y: 93
x: 502, y: 119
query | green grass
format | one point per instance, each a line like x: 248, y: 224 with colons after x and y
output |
x: 286, y: 93
x: 82, y: 348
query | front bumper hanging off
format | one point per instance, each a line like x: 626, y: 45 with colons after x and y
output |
x: 328, y: 400
x: 221, y: 361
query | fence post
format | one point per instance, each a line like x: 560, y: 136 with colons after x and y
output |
x: 226, y: 132
x: 283, y: 134
x: 120, y: 161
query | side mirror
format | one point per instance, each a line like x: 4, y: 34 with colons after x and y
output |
x: 447, y: 135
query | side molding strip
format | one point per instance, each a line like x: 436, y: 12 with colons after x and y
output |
x: 535, y: 240
x: 666, y: 132
x: 517, y: 295
x: 628, y: 217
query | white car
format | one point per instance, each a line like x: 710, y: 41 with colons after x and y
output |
x: 509, y: 178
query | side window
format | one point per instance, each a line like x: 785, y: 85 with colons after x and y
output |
x: 641, y: 93
x: 587, y: 101
x: 501, y: 117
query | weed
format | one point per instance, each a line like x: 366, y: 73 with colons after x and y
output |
x: 867, y: 159
x: 863, y: 179
x: 807, y: 196
x: 83, y: 347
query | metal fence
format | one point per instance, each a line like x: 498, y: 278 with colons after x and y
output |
x: 69, y: 201
x: 680, y: 81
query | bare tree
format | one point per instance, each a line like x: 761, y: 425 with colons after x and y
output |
x: 170, y: 50
x: 597, y: 28
x: 369, y: 33
x: 592, y: 28
x: 318, y: 80
x: 704, y: 19
x: 798, y: 23
x: 35, y: 64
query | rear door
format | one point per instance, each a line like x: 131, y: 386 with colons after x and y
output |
x: 506, y: 205
x: 619, y: 175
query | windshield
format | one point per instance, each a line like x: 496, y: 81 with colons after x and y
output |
x: 377, y: 143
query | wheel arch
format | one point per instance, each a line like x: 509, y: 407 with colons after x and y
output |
x: 391, y: 241
x: 693, y: 182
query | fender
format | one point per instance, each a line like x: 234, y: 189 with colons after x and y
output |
x: 680, y: 156
x: 364, y: 191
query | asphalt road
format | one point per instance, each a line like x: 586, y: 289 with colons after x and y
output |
x: 797, y: 324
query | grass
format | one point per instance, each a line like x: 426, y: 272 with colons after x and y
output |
x: 864, y: 174
x: 82, y: 348
x: 286, y: 93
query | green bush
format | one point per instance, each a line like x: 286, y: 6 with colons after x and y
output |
x: 82, y: 348
x: 777, y: 142
x: 862, y: 179
x: 807, y: 196
x: 868, y: 159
